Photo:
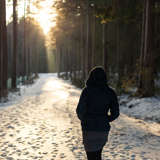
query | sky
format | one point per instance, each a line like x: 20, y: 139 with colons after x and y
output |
x: 44, y: 15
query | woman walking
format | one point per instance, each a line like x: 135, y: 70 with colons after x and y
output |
x: 96, y: 100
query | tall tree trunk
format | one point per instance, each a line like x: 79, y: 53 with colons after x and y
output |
x: 74, y: 55
x: 118, y: 55
x: 147, y: 58
x: 29, y: 60
x: 87, y: 41
x: 28, y: 54
x: 67, y: 62
x: 93, y: 39
x: 142, y: 48
x: 1, y: 52
x: 4, y: 49
x: 24, y: 45
x: 58, y: 60
x: 104, y: 46
x: 83, y: 48
x: 36, y: 59
x: 90, y: 27
x: 14, y: 63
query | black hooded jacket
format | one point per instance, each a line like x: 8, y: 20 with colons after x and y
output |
x: 95, y: 102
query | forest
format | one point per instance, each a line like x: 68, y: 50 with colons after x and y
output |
x: 122, y: 36
x: 22, y: 48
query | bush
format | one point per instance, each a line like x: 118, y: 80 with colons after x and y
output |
x: 78, y: 82
x: 128, y: 83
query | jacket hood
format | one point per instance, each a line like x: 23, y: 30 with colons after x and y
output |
x: 97, y: 78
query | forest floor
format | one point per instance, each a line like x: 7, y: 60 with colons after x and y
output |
x: 41, y: 124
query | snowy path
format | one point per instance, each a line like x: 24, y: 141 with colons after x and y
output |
x: 43, y: 125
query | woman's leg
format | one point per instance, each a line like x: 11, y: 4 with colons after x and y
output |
x: 94, y: 155
x: 99, y: 154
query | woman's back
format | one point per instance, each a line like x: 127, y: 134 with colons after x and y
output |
x: 97, y: 101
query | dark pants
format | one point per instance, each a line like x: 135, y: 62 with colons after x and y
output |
x: 94, y: 155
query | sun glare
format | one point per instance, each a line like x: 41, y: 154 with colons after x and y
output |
x: 45, y: 20
x: 45, y: 15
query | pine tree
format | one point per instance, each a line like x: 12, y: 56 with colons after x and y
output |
x: 14, y: 63
x: 3, y: 50
x: 147, y: 58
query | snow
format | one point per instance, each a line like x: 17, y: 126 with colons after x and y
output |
x: 144, y: 108
x: 41, y: 124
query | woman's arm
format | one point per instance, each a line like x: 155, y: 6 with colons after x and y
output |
x: 82, y: 105
x: 114, y: 107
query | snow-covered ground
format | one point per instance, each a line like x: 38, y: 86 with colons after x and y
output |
x: 147, y: 109
x: 41, y: 124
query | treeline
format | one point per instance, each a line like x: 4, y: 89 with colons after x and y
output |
x: 31, y: 50
x: 22, y: 49
x: 121, y: 35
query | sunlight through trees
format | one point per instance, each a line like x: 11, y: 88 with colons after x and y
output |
x: 72, y: 36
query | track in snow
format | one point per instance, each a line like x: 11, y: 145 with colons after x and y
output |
x: 42, y: 125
